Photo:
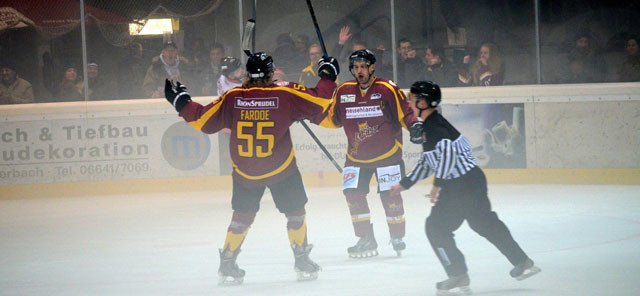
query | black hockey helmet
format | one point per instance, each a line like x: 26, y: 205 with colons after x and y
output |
x: 259, y: 65
x: 361, y: 55
x: 427, y: 90
x: 229, y: 64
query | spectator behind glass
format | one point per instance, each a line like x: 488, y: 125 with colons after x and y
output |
x: 438, y: 68
x: 285, y: 50
x: 308, y: 76
x: 585, y: 62
x: 302, y: 50
x: 487, y: 70
x: 131, y: 73
x: 211, y: 72
x: 198, y: 55
x: 13, y: 89
x: 279, y: 75
x: 168, y: 65
x: 69, y: 87
x: 409, y: 67
x: 630, y: 69
x: 100, y: 88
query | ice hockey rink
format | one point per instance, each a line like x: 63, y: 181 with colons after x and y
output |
x: 586, y: 240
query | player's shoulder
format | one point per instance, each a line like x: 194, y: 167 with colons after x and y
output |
x: 350, y: 85
x: 386, y: 83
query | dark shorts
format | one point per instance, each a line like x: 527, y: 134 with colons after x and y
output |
x: 364, y: 179
x: 289, y: 195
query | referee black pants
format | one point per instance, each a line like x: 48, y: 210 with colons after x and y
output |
x: 460, y: 199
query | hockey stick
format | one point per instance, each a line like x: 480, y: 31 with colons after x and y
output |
x: 247, y: 36
x: 304, y: 124
x: 315, y: 23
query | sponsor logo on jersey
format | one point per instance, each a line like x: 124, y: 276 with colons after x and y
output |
x: 256, y: 103
x: 347, y: 98
x: 282, y: 83
x: 376, y: 96
x: 363, y: 112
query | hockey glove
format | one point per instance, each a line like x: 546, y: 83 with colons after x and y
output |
x: 328, y: 67
x: 176, y: 94
x: 415, y: 133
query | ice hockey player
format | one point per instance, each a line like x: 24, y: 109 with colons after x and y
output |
x: 259, y: 115
x: 372, y: 112
x: 459, y: 193
x: 231, y: 74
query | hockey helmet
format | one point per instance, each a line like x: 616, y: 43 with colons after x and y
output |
x: 361, y: 55
x: 259, y: 65
x: 427, y: 90
x: 229, y: 64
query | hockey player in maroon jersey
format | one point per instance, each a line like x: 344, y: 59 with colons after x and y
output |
x: 259, y: 114
x: 372, y: 112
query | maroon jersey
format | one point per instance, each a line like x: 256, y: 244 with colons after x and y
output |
x: 259, y: 119
x: 372, y: 121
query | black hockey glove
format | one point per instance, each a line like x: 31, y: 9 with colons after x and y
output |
x: 328, y: 67
x: 176, y: 94
x: 415, y: 133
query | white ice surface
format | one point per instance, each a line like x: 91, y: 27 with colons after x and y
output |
x: 586, y: 239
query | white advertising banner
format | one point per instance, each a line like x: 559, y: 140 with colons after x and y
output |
x: 98, y: 149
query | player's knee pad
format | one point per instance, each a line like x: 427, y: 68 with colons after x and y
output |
x: 295, y: 219
x: 357, y: 202
x: 237, y: 231
x: 392, y: 204
x: 297, y: 227
x: 240, y: 222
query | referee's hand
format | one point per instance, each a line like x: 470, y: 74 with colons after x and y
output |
x: 435, y: 191
x: 396, y: 189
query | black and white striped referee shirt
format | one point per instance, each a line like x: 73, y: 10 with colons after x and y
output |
x: 447, y: 153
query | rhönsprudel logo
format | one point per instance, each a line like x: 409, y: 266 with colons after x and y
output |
x: 185, y: 148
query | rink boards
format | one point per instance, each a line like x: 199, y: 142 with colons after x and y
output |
x: 566, y: 134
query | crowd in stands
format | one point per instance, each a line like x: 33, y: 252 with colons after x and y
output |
x: 296, y: 60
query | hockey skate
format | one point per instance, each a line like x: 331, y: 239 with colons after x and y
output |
x: 460, y: 282
x: 365, y: 247
x: 306, y: 269
x: 398, y: 245
x: 524, y: 270
x: 229, y: 274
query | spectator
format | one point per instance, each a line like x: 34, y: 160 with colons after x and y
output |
x: 168, y: 65
x: 302, y: 49
x: 69, y: 88
x: 284, y: 52
x: 212, y: 72
x: 279, y: 75
x: 343, y: 37
x: 439, y: 68
x: 198, y: 55
x: 100, y: 88
x: 409, y: 66
x: 13, y: 89
x: 586, y: 63
x: 308, y: 76
x: 488, y: 69
x: 131, y: 73
x: 630, y: 69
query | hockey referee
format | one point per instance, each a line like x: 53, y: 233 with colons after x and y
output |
x: 459, y: 192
